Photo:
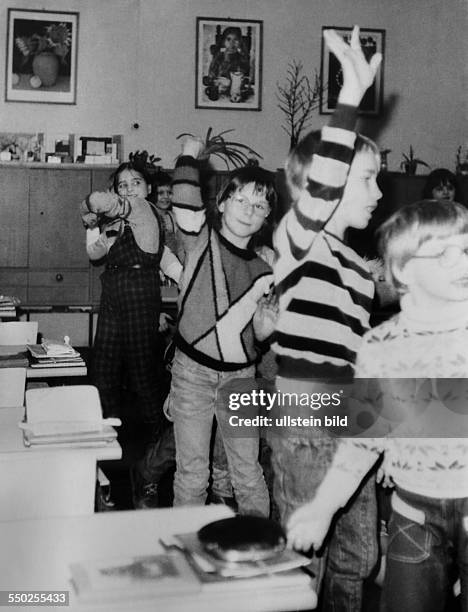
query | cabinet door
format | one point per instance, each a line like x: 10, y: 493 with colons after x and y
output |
x: 57, y: 238
x: 14, y: 215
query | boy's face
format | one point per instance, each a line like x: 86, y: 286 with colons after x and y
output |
x: 164, y: 193
x: 438, y: 273
x: 131, y: 184
x: 360, y: 195
x: 243, y: 214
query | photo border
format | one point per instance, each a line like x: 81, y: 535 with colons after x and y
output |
x: 38, y: 95
x: 201, y: 76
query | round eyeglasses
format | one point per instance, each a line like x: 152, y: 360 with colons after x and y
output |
x: 448, y: 258
x: 261, y: 209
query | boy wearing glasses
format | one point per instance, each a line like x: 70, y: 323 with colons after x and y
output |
x: 224, y: 303
x: 425, y: 249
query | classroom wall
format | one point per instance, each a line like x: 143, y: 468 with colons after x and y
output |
x: 136, y: 63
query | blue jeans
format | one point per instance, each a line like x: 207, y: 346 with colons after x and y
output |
x: 351, y: 552
x: 427, y: 537
x: 194, y: 394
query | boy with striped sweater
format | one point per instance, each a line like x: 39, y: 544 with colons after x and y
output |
x: 325, y: 295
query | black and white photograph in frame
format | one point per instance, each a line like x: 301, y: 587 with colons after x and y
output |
x: 228, y: 64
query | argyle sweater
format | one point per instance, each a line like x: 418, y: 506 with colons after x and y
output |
x: 410, y: 346
x: 220, y: 286
x: 325, y: 288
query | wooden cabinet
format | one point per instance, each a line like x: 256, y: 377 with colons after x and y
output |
x: 43, y: 256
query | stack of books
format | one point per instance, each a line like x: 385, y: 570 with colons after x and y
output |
x: 8, y: 306
x: 69, y: 416
x: 52, y: 353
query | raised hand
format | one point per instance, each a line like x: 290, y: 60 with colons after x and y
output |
x: 265, y: 316
x: 193, y: 146
x: 358, y: 73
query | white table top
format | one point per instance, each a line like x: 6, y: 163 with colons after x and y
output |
x: 11, y: 439
x: 36, y: 554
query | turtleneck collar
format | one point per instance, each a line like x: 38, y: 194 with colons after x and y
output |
x: 421, y: 319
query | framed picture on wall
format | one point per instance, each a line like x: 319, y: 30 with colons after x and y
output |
x: 372, y: 41
x: 41, y: 57
x: 228, y: 64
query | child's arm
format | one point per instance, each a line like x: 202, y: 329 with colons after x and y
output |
x: 170, y: 265
x: 354, y: 457
x: 327, y: 174
x: 309, y: 524
x: 187, y: 204
x: 96, y: 244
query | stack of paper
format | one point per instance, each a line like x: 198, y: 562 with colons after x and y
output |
x: 67, y: 416
x: 210, y: 569
x: 53, y: 353
x: 8, y: 306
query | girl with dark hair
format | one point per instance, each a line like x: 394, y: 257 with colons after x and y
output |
x: 123, y: 228
x: 441, y: 184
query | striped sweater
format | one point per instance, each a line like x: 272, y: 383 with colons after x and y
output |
x: 325, y: 288
x: 220, y: 286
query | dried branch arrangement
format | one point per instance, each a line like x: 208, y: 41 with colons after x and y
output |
x: 298, y: 98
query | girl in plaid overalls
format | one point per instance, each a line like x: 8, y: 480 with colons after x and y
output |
x: 126, y: 342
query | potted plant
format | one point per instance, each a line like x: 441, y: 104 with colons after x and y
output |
x: 410, y: 162
x: 231, y: 152
x: 47, y: 51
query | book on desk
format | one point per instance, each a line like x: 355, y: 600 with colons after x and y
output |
x: 133, y: 578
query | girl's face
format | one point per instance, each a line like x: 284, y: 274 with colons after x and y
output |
x: 243, y: 214
x: 444, y: 192
x: 131, y: 184
x: 164, y: 193
x: 231, y: 42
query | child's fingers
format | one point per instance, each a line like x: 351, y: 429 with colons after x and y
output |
x: 355, y: 42
x: 335, y: 43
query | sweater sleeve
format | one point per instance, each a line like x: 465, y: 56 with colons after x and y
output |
x: 96, y: 244
x: 326, y: 179
x: 170, y: 265
x: 187, y: 203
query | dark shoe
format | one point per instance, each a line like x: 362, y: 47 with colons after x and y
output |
x: 144, y: 494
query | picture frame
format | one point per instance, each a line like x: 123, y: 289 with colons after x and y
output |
x: 229, y: 56
x: 372, y: 41
x: 41, y: 56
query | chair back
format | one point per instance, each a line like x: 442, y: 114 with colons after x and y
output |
x: 12, y: 384
x: 18, y: 333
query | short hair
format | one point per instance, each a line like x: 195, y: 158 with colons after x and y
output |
x: 438, y: 177
x: 162, y: 178
x: 300, y: 158
x: 264, y: 182
x: 400, y: 237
